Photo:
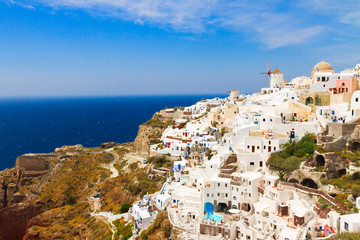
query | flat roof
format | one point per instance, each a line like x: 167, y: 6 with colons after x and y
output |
x: 351, y: 217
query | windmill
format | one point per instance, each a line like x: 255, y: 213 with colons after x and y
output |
x: 268, y: 73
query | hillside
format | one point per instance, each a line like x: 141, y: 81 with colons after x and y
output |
x: 60, y: 203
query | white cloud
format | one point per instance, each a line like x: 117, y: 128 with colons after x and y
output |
x: 12, y: 2
x: 261, y: 20
x: 347, y: 12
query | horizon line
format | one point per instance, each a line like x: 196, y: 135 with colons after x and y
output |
x: 114, y: 96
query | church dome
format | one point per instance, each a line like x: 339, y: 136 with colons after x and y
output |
x: 323, y: 67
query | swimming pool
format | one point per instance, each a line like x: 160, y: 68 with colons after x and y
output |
x: 214, y: 216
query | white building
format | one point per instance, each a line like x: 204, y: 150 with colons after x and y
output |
x: 276, y: 79
x: 350, y: 223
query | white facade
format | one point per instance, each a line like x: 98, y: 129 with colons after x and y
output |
x: 350, y: 223
x: 355, y: 104
x: 323, y: 86
x: 276, y: 80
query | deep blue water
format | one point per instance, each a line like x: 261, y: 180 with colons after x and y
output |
x: 39, y: 125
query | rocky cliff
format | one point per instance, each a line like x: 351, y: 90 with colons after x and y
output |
x: 14, y: 219
x: 151, y: 131
x: 146, y: 135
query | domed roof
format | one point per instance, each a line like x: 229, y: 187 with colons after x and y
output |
x: 323, y: 66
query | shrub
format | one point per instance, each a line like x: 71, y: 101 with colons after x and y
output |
x: 323, y: 203
x: 347, y: 236
x: 308, y: 147
x: 293, y: 154
x: 134, y: 166
x: 291, y: 163
x: 324, y: 181
x: 355, y: 191
x: 125, y: 207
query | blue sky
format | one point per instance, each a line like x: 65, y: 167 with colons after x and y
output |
x: 146, y: 47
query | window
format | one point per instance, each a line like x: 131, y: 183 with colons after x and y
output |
x: 237, y: 189
x: 270, y: 119
x: 218, y: 194
x: 208, y: 195
x: 248, y: 146
x: 258, y: 147
x: 249, y: 194
x: 263, y: 119
x: 346, y: 227
x: 226, y: 194
x: 274, y: 148
x: 356, y: 99
x: 249, y: 182
x: 252, y: 163
x: 225, y: 184
x: 218, y: 184
x: 269, y: 142
x: 261, y: 163
x: 343, y: 84
x: 193, y: 216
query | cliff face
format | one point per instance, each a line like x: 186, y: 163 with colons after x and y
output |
x: 151, y: 131
x: 13, y: 220
x: 146, y: 135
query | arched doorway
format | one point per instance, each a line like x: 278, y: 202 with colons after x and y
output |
x: 309, y: 100
x: 320, y: 160
x: 307, y: 182
x: 222, y: 207
x: 293, y: 180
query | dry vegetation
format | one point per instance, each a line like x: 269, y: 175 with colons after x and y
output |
x: 68, y: 222
x: 156, y: 122
x: 65, y: 195
x: 159, y: 230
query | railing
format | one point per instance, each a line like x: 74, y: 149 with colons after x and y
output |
x: 330, y: 200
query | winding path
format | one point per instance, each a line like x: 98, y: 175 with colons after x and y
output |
x: 110, y: 166
x: 114, y: 171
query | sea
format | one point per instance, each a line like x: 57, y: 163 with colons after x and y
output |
x: 39, y: 125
